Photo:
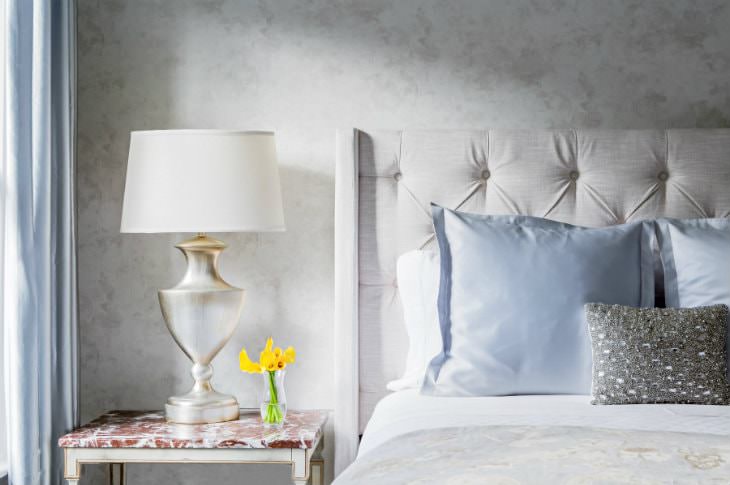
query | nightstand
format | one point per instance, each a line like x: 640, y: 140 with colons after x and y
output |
x: 121, y: 437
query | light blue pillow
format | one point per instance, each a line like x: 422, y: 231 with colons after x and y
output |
x: 511, y: 300
x: 696, y: 258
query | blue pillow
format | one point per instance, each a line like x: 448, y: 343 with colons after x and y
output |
x: 696, y: 258
x: 511, y: 300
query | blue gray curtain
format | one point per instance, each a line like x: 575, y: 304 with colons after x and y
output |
x: 38, y: 235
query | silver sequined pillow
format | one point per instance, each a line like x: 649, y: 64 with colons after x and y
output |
x: 658, y: 355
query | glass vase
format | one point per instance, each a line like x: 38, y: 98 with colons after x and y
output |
x: 273, y: 398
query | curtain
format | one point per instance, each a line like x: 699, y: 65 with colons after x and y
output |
x: 39, y: 308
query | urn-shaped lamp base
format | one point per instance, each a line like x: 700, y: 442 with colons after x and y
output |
x: 201, y: 313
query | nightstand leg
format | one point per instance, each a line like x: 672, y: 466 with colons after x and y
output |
x: 71, y: 466
x: 117, y: 474
x: 316, y: 472
x: 306, y: 471
x: 300, y: 469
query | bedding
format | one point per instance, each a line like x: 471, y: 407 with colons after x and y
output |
x: 418, y: 274
x: 418, y: 285
x: 658, y: 355
x: 413, y: 438
x: 694, y: 254
x: 511, y: 300
x: 407, y: 411
x: 529, y: 454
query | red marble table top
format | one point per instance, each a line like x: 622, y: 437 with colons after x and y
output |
x: 148, y: 429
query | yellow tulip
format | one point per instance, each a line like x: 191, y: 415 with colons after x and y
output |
x: 279, y: 356
x: 247, y: 365
x: 289, y: 355
x: 268, y: 360
x: 269, y: 344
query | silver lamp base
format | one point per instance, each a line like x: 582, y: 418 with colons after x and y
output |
x: 201, y: 313
x: 193, y: 409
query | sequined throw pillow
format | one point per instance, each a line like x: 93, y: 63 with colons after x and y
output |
x: 658, y: 355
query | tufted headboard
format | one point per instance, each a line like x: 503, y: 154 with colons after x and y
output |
x: 385, y: 181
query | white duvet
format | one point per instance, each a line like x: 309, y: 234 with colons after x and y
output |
x: 407, y: 411
x: 540, y: 439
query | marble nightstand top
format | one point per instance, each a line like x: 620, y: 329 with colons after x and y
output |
x: 148, y: 429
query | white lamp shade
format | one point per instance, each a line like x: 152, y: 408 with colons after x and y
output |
x: 202, y: 181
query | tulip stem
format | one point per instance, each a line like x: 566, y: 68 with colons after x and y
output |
x: 273, y: 413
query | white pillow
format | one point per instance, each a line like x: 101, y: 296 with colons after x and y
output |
x: 418, y: 284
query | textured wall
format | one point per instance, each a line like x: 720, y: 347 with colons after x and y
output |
x: 304, y: 68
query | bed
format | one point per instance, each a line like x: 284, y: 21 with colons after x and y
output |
x: 384, y: 184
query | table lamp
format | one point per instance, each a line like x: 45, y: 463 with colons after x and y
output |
x: 202, y: 181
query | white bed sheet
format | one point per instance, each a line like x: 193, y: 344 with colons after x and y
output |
x: 406, y: 411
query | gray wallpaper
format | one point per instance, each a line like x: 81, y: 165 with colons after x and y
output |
x: 304, y: 68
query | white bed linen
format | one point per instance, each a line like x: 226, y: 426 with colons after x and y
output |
x: 406, y: 411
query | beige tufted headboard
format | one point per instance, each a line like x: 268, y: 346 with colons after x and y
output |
x: 386, y: 180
